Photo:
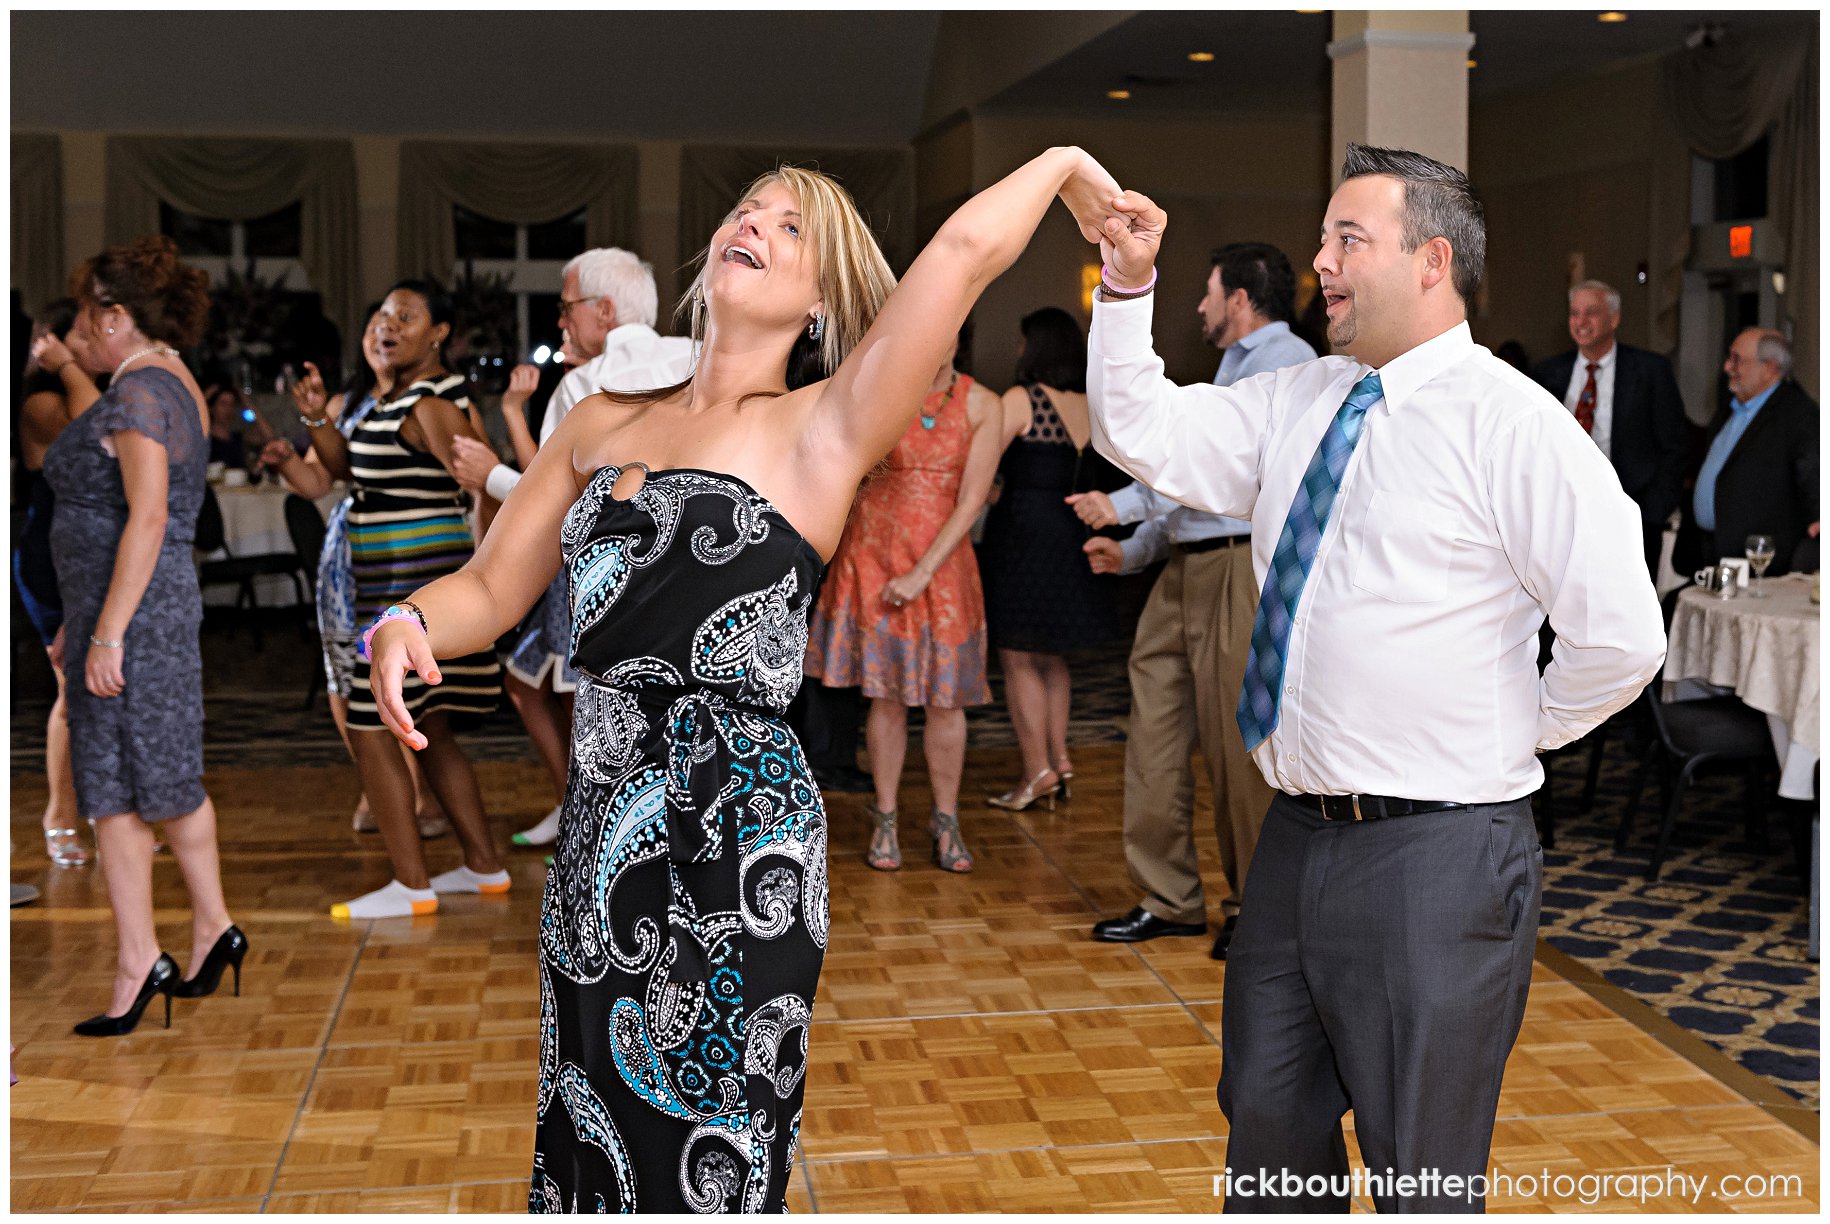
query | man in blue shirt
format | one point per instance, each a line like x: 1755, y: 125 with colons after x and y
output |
x: 1760, y: 475
x: 1194, y: 635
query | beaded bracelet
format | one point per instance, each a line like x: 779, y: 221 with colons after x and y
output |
x: 1108, y: 293
x: 406, y: 610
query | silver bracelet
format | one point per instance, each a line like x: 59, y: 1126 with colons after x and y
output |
x: 105, y: 644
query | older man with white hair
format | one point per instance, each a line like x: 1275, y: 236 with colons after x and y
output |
x: 607, y: 310
x: 1627, y: 400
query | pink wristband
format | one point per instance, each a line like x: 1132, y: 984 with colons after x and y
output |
x: 392, y: 614
x: 1105, y: 272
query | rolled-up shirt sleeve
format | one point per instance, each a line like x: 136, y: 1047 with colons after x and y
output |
x: 1137, y: 502
x: 1146, y: 546
x: 1200, y: 445
x: 1574, y: 539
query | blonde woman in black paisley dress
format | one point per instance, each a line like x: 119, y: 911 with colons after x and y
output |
x: 685, y: 915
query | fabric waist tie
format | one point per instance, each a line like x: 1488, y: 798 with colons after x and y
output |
x: 698, y: 774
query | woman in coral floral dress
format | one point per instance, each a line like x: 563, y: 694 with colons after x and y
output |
x: 901, y: 613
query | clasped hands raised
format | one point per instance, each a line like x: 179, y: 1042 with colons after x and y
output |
x: 1127, y: 225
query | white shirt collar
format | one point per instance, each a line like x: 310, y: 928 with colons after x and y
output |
x: 1406, y: 373
x: 1606, y: 362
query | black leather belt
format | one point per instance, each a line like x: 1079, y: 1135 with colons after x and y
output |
x: 1371, y: 807
x: 1211, y: 543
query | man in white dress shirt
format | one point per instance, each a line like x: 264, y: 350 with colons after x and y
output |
x: 607, y: 310
x: 1418, y: 508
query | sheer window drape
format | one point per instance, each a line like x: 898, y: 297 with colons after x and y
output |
x: 241, y: 179
x: 39, y: 270
x: 523, y: 184
x: 1719, y: 100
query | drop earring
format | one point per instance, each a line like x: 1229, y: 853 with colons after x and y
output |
x: 817, y: 329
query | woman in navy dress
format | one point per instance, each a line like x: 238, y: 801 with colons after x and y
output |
x: 128, y: 475
x: 685, y: 916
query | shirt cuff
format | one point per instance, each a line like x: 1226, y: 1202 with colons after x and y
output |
x: 1142, y: 551
x: 1130, y: 503
x: 501, y: 481
x: 1123, y: 328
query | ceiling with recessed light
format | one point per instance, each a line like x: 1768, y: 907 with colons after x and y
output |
x: 744, y: 76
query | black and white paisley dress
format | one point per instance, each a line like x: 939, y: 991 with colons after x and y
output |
x: 685, y: 915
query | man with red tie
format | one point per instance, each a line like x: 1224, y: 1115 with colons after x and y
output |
x: 1628, y: 401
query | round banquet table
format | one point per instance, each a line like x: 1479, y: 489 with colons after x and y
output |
x: 1764, y: 651
x: 253, y: 523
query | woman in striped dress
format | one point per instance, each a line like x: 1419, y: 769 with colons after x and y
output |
x: 407, y: 526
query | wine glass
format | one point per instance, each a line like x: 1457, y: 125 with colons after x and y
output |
x: 1759, y: 555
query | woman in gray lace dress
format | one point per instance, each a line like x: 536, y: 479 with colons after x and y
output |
x: 128, y: 476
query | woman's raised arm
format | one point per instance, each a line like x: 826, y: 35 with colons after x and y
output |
x: 872, y: 397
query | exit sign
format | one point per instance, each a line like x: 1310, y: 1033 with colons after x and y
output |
x: 1740, y: 241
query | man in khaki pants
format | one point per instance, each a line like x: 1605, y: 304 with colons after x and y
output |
x: 1188, y: 663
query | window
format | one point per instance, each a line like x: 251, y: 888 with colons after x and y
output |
x: 264, y: 315
x: 531, y: 259
x: 1740, y: 184
x: 212, y: 243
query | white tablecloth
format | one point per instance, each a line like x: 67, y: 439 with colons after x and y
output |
x: 254, y: 522
x: 1764, y: 651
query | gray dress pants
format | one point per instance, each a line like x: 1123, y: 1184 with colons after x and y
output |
x: 1378, y: 966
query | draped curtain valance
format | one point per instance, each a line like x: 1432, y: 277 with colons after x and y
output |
x: 1721, y: 99
x: 882, y: 181
x: 523, y: 184
x: 39, y: 272
x: 241, y: 179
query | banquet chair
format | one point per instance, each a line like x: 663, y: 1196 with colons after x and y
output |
x: 306, y: 527
x: 1689, y: 736
x: 241, y: 572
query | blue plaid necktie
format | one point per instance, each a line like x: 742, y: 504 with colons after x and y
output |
x: 1260, y: 701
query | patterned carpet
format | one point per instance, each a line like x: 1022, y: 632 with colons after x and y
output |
x: 1718, y: 944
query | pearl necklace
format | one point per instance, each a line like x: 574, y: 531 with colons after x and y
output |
x: 163, y: 350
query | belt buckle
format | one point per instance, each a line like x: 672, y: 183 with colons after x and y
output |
x: 1357, y: 813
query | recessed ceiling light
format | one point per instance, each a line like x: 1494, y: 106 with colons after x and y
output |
x: 1611, y: 18
x: 1201, y: 57
x: 1118, y: 95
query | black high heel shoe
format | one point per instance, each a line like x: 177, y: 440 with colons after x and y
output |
x: 159, y: 981
x: 228, y: 950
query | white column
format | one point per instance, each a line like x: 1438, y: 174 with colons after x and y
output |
x: 1401, y: 82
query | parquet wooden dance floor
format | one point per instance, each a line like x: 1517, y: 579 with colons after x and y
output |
x: 972, y: 1051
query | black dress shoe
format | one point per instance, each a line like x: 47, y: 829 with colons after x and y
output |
x: 160, y: 981
x: 1224, y: 939
x: 1140, y: 924
x: 230, y: 947
x: 846, y: 779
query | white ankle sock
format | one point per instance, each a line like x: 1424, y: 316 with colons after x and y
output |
x: 542, y: 834
x: 392, y: 900
x: 462, y: 879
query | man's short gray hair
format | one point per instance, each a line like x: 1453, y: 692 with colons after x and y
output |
x: 1439, y: 202
x: 611, y: 272
x: 1603, y: 288
x: 1773, y: 348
